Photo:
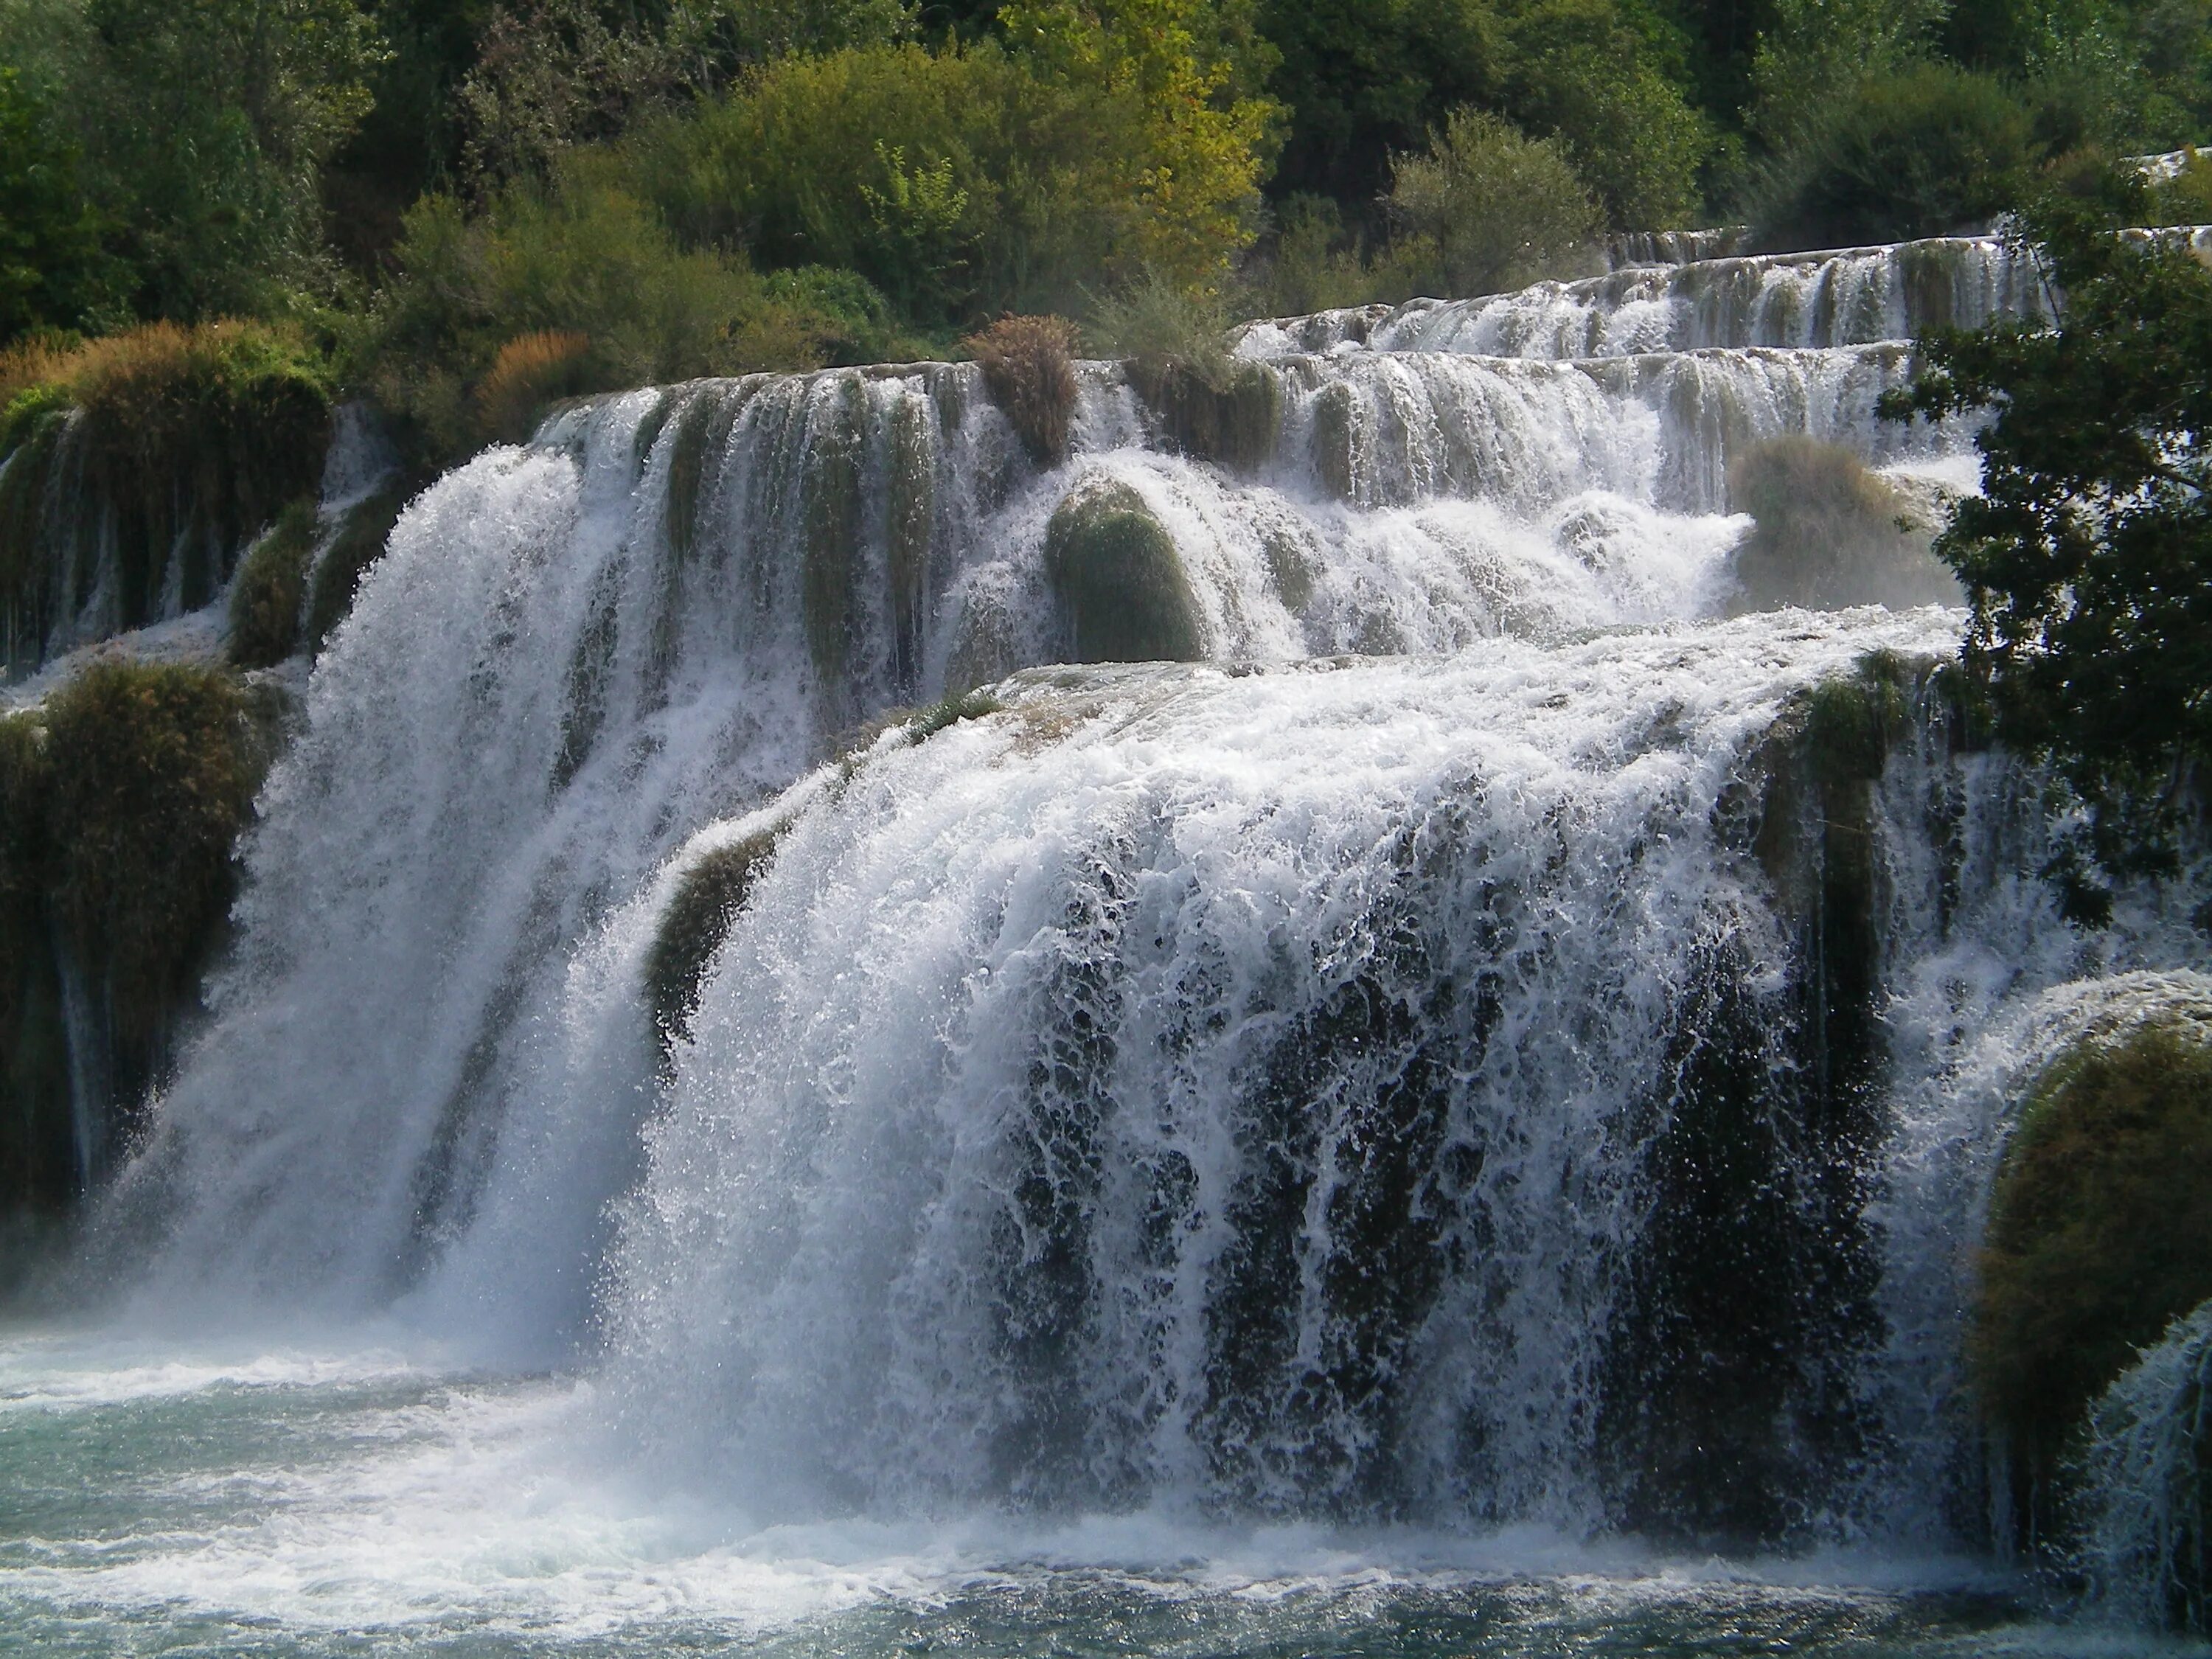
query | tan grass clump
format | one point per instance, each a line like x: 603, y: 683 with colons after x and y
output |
x: 531, y: 372
x: 1028, y: 365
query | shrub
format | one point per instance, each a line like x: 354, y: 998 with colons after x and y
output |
x: 1156, y: 323
x: 1583, y: 73
x: 2100, y: 1229
x: 1487, y: 208
x: 1028, y: 365
x: 966, y: 183
x: 120, y: 799
x: 1828, y: 533
x: 1120, y: 581
x: 1926, y: 151
x: 580, y: 255
x: 272, y: 582
x: 530, y: 372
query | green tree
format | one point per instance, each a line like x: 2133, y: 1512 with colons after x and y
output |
x: 2087, y: 557
x: 53, y: 272
x: 1487, y: 208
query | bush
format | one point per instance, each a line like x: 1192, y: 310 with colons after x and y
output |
x: 1928, y: 151
x: 1584, y: 73
x: 530, y: 372
x: 962, y: 183
x: 1488, y: 209
x: 266, y: 599
x: 581, y: 256
x: 1156, y: 323
x: 1828, y: 533
x: 1120, y: 581
x: 120, y: 799
x: 2100, y: 1229
x: 1028, y: 365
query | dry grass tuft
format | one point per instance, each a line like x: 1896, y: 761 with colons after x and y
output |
x: 531, y: 371
x: 1028, y: 364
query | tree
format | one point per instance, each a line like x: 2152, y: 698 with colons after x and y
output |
x: 2087, y: 558
x: 53, y: 273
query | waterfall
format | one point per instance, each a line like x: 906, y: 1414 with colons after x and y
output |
x: 1478, y: 1044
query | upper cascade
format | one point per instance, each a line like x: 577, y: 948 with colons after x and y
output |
x: 1841, y: 297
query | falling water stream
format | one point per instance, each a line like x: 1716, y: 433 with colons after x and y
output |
x: 1445, y: 1125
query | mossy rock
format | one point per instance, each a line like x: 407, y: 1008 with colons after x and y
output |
x: 830, y: 482
x: 1231, y: 418
x: 2100, y: 1229
x: 701, y: 912
x: 359, y: 543
x: 1335, y: 435
x: 1120, y: 581
x: 265, y: 600
x: 121, y: 798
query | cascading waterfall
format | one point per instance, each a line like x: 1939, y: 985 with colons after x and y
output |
x: 1332, y: 1078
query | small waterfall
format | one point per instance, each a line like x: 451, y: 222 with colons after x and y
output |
x: 2148, y: 1471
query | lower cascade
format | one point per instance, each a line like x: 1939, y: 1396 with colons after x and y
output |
x: 1296, y: 967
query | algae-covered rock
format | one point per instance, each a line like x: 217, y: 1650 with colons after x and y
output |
x: 359, y: 543
x: 272, y: 582
x: 1232, y: 418
x: 705, y: 905
x: 121, y: 798
x: 1335, y: 439
x: 2100, y: 1227
x: 1120, y: 581
x: 831, y: 486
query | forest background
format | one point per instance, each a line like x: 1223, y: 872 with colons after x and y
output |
x: 465, y: 211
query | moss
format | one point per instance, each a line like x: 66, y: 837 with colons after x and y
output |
x: 708, y: 897
x: 120, y: 799
x: 1293, y: 565
x: 2100, y: 1232
x: 266, y: 599
x: 961, y: 706
x: 702, y: 429
x: 1232, y: 418
x: 1120, y: 581
x: 1335, y: 429
x: 1028, y: 369
x: 831, y: 486
x: 359, y: 543
x: 912, y: 519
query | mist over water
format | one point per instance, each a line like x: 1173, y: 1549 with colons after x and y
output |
x: 1380, y: 1136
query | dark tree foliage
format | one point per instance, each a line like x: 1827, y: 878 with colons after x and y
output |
x: 2087, y: 558
x: 53, y: 270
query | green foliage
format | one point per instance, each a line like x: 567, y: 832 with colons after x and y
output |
x: 581, y: 256
x: 1313, y: 263
x: 272, y: 582
x: 2087, y: 557
x: 53, y: 271
x: 2100, y: 1229
x: 1926, y: 151
x: 203, y: 131
x: 1156, y: 323
x: 1120, y: 581
x: 1029, y: 367
x: 1487, y: 208
x: 1818, y: 52
x: 961, y: 184
x: 1828, y: 533
x: 1583, y: 72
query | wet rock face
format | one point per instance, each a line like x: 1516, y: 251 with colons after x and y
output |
x: 1120, y: 581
